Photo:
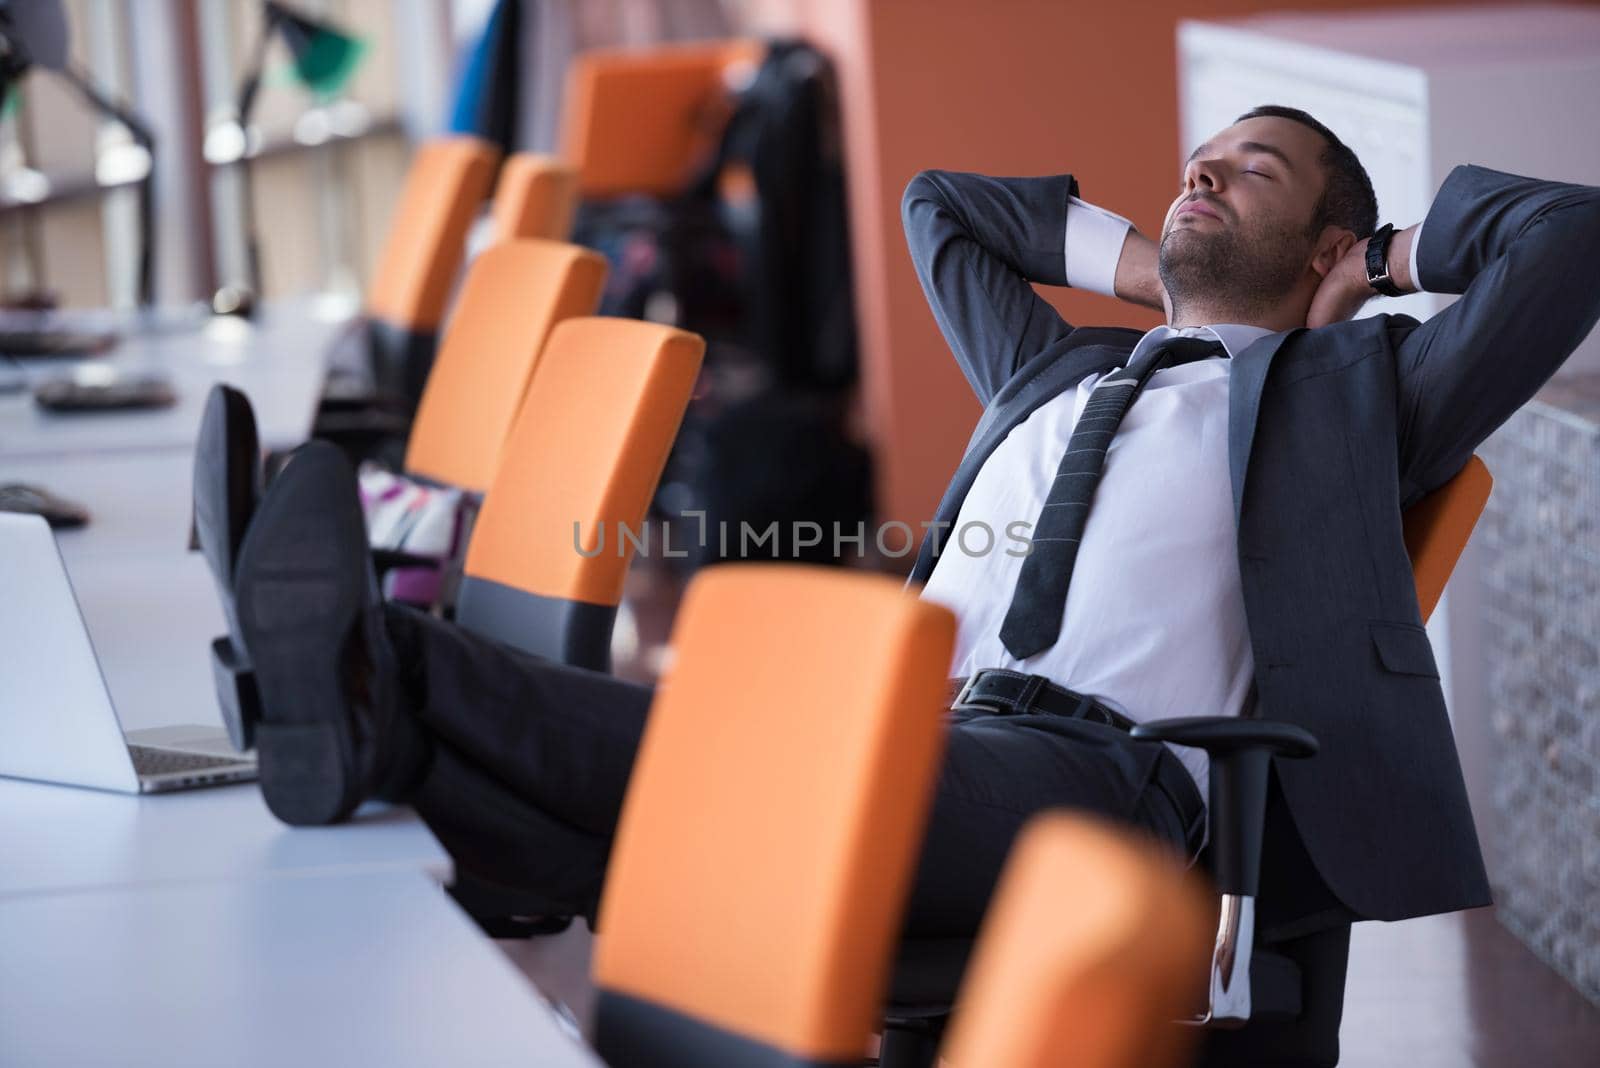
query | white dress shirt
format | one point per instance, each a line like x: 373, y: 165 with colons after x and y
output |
x: 1154, y: 623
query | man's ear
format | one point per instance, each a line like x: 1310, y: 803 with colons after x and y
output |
x: 1334, y: 245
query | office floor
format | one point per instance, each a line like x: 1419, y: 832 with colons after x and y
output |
x: 1443, y: 992
x: 1460, y: 990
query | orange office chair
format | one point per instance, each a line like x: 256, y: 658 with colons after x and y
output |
x: 1285, y: 998
x: 1438, y: 526
x: 514, y: 294
x: 445, y: 185
x: 582, y: 459
x: 536, y: 196
x: 640, y: 120
x: 1093, y: 945
x: 1283, y: 1002
x: 771, y: 826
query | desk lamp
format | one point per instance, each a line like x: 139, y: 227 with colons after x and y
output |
x: 324, y: 57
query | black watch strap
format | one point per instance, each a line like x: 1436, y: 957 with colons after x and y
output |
x: 1378, y: 261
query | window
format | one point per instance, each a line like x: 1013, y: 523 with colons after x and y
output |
x: 324, y: 173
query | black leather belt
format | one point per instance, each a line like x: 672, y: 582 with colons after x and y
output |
x: 1012, y: 693
x: 999, y: 690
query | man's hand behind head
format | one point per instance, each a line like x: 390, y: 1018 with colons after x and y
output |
x: 1343, y: 291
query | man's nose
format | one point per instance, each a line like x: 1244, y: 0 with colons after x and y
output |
x: 1200, y: 174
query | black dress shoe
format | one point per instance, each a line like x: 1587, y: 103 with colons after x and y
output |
x: 227, y: 485
x: 331, y: 730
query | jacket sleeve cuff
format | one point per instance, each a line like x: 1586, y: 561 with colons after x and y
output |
x: 1092, y: 246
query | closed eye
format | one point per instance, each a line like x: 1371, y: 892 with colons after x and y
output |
x: 1261, y: 174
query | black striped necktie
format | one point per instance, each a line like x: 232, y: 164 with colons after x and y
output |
x: 1033, y: 622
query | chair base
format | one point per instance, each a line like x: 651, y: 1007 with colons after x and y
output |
x: 504, y: 913
x: 1307, y: 1040
x: 911, y: 1042
x: 1297, y: 988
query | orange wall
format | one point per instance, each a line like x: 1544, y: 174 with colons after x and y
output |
x: 1006, y: 87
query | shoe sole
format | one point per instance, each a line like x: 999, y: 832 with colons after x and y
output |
x: 226, y: 486
x: 298, y: 597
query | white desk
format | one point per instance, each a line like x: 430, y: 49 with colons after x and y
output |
x: 193, y: 927
x: 61, y: 838
x: 152, y: 617
x: 278, y: 360
x: 340, y: 970
x: 152, y: 611
x: 138, y: 502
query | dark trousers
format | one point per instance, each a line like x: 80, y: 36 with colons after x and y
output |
x: 531, y: 760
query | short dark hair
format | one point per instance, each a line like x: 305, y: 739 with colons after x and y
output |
x: 1347, y: 200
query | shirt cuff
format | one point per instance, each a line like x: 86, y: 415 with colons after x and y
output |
x: 1093, y: 245
x: 1416, y: 242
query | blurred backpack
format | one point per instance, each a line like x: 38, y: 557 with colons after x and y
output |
x: 767, y: 282
x: 785, y: 131
x: 772, y: 276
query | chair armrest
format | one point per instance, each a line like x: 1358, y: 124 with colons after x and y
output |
x: 1241, y: 752
x: 365, y: 433
x: 1220, y: 735
x: 359, y: 419
x: 386, y: 560
x: 352, y: 401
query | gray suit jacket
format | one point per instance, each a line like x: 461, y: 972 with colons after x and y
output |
x: 1332, y: 433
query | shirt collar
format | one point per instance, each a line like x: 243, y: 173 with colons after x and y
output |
x: 1235, y: 337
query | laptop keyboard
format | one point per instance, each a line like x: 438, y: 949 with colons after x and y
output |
x: 149, y: 760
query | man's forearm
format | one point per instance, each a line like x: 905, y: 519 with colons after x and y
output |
x: 1400, y: 259
x: 1105, y: 253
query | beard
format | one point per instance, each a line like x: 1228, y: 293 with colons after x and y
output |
x: 1247, y: 271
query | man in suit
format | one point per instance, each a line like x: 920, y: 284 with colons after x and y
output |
x: 1221, y: 496
x: 1319, y: 431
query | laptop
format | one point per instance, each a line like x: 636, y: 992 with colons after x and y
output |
x: 57, y: 720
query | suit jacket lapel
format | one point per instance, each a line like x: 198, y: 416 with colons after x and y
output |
x: 1246, y: 381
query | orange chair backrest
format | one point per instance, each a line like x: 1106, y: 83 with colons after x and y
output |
x: 1094, y: 943
x: 515, y: 292
x: 583, y: 457
x: 1438, y: 526
x: 445, y: 185
x: 777, y: 802
x: 536, y: 196
x: 640, y: 120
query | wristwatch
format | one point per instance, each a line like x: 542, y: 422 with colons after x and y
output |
x: 1378, y: 261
